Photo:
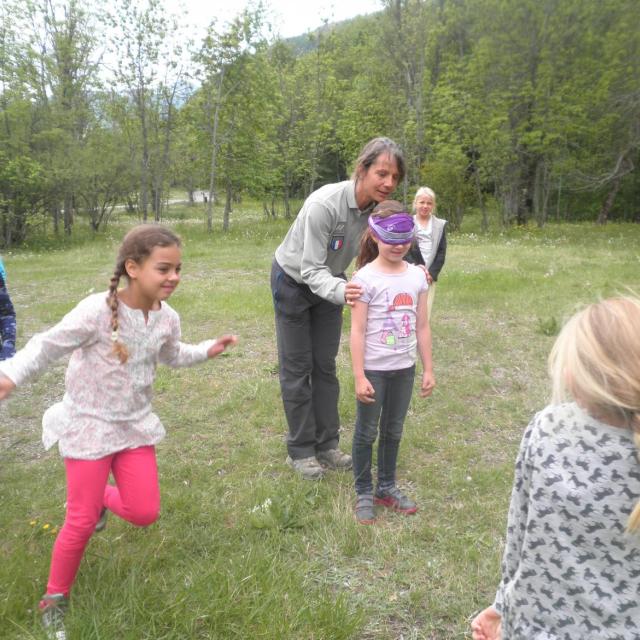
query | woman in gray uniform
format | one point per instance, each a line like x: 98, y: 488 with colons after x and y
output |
x: 309, y: 289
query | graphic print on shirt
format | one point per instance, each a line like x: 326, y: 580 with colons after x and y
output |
x: 569, y: 567
x: 392, y: 332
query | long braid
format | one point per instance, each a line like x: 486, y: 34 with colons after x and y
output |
x: 119, y: 348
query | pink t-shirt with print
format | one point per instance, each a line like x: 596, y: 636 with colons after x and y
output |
x: 392, y: 299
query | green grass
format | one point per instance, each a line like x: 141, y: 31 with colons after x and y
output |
x: 243, y: 549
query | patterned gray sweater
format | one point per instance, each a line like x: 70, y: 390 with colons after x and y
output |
x: 569, y: 570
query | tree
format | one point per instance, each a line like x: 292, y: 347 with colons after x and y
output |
x: 140, y: 34
x: 404, y: 37
x: 22, y: 184
x: 223, y: 59
x: 608, y: 146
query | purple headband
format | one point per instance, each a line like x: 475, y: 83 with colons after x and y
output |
x: 397, y: 228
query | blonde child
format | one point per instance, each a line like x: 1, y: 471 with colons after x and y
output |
x: 387, y: 323
x: 430, y: 245
x: 571, y: 565
x: 104, y: 423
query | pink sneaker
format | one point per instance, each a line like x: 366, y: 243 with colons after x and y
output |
x: 394, y: 499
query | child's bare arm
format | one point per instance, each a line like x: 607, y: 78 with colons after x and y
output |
x: 423, y: 336
x: 364, y: 389
x: 6, y: 386
x: 221, y: 345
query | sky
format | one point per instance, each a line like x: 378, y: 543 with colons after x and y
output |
x: 288, y: 17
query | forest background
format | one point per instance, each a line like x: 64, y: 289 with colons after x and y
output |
x: 518, y: 110
x: 523, y: 115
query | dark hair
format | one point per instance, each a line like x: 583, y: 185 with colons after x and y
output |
x: 368, y: 246
x: 375, y: 148
x: 137, y: 245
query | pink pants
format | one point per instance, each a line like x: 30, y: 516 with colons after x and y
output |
x: 135, y: 498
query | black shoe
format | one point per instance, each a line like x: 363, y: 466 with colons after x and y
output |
x: 102, y: 522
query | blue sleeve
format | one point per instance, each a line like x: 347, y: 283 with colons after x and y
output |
x: 7, y: 323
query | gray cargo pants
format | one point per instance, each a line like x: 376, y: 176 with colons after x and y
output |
x: 308, y: 334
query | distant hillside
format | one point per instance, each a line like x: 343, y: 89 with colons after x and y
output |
x: 307, y: 41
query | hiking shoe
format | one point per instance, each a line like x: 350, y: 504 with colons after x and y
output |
x: 309, y: 468
x: 365, y: 513
x: 102, y: 522
x: 394, y: 499
x: 53, y: 607
x: 334, y: 459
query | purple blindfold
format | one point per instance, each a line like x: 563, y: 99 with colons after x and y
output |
x: 398, y: 228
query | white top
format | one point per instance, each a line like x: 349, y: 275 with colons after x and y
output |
x: 424, y: 236
x: 392, y: 299
x: 107, y: 405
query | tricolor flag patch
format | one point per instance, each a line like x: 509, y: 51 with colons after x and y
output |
x: 336, y: 243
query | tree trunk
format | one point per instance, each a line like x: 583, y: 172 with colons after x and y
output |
x: 214, y: 149
x: 6, y: 227
x: 541, y: 193
x: 558, y: 201
x: 227, y: 206
x: 510, y: 196
x: 526, y: 189
x: 156, y: 198
x: 55, y: 214
x: 607, y: 205
x: 484, y: 224
x: 164, y: 163
x: 68, y: 215
x: 144, y: 165
x: 285, y: 197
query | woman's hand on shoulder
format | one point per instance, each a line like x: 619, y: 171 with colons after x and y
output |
x: 427, y: 275
x: 487, y: 625
x: 352, y: 292
x: 6, y: 386
x: 221, y: 345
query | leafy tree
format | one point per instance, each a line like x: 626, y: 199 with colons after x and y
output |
x: 224, y: 60
x: 447, y: 177
x: 105, y: 180
x: 138, y: 42
x: 22, y: 184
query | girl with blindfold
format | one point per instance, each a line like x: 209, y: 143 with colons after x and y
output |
x: 388, y: 324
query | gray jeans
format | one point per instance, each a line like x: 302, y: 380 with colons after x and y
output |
x: 308, y: 333
x: 386, y: 415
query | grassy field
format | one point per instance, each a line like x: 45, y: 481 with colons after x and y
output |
x: 244, y: 549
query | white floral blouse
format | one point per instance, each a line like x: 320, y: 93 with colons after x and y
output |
x: 107, y: 405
